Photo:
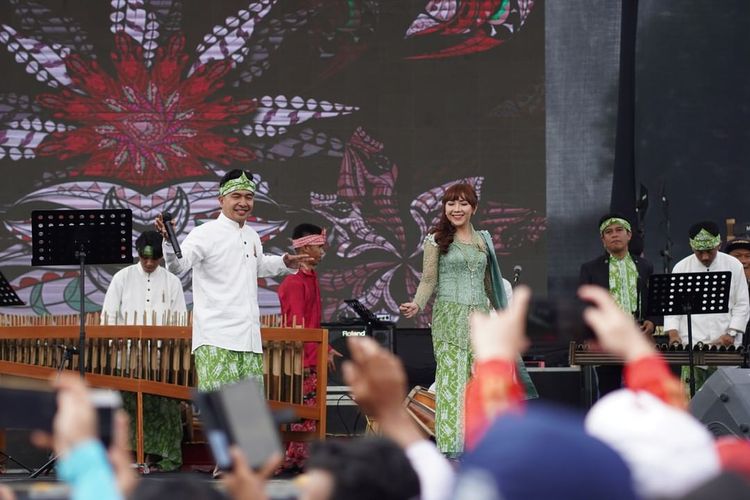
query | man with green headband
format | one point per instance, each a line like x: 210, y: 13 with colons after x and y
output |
x: 626, y: 277
x: 720, y: 329
x: 146, y: 293
x: 226, y: 258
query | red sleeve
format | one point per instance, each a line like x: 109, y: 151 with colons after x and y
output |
x: 493, y: 390
x: 652, y: 374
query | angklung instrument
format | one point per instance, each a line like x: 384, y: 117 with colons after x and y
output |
x: 157, y: 359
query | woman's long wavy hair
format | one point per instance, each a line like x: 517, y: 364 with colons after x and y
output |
x: 444, y: 231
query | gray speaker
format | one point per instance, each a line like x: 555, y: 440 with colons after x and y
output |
x: 723, y: 403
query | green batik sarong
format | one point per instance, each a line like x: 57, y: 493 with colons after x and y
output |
x: 162, y: 428
x: 217, y: 367
x: 450, y: 334
x: 701, y: 375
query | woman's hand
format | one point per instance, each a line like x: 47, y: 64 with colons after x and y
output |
x: 408, y: 309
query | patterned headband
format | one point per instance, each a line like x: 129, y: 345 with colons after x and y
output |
x: 614, y: 220
x: 240, y: 183
x: 705, y: 241
x: 310, y: 239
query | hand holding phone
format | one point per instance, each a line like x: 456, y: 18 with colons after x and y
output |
x: 70, y: 415
x: 242, y: 482
x: 616, y: 330
x: 75, y: 420
x: 238, y: 414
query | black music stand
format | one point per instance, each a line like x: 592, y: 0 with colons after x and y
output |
x: 687, y: 294
x: 80, y: 237
x: 8, y: 298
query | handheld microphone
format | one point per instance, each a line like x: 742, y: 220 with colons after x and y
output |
x: 516, y: 274
x: 167, y: 218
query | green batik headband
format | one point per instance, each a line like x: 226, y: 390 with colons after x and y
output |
x: 614, y: 220
x: 705, y: 241
x: 241, y: 183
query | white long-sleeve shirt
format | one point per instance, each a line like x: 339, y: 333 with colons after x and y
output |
x: 133, y: 292
x: 436, y: 476
x: 709, y: 327
x: 226, y: 259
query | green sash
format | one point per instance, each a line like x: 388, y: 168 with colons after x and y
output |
x: 498, y: 298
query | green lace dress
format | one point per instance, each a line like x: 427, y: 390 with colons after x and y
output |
x: 461, y: 281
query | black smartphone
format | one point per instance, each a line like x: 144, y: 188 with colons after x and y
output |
x: 557, y: 319
x: 215, y: 427
x: 35, y: 409
x: 239, y: 414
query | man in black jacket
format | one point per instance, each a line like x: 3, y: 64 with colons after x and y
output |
x: 626, y: 277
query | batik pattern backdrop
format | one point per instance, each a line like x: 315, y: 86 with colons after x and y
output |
x: 353, y: 114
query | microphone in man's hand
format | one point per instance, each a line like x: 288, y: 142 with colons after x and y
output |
x: 516, y: 274
x: 167, y: 218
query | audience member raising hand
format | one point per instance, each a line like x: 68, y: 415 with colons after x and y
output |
x: 376, y: 378
x: 498, y: 339
x: 82, y: 460
x: 242, y: 482
x: 617, y: 332
x: 120, y: 456
x: 377, y: 381
x: 6, y: 493
x: 644, y: 370
x: 510, y: 443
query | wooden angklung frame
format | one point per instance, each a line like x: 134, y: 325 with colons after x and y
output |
x: 158, y: 360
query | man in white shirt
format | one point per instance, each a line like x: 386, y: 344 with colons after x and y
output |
x: 719, y: 329
x: 226, y: 257
x: 144, y: 293
x: 147, y: 294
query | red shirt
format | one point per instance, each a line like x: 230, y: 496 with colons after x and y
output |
x: 299, y: 295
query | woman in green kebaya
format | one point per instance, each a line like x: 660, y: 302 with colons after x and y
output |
x: 461, y: 268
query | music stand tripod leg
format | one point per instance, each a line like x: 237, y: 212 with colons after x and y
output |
x: 691, y: 360
x: 9, y: 458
